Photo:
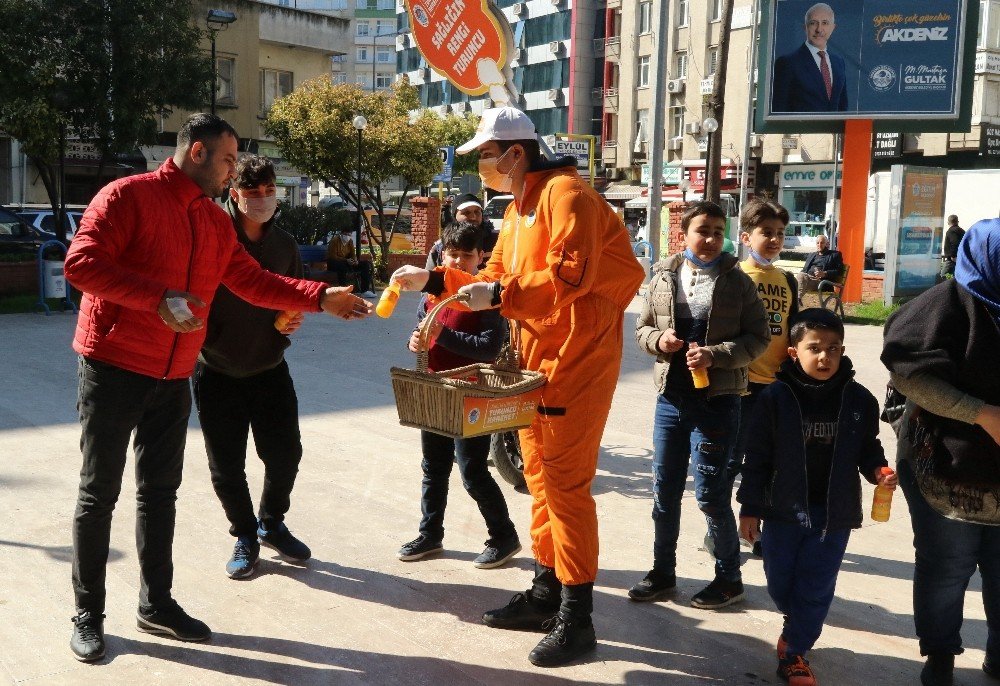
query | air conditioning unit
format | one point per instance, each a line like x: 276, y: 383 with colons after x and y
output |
x: 403, y: 40
x: 520, y: 54
x: 675, y: 144
x: 556, y: 47
x: 519, y: 9
x: 675, y: 86
x: 554, y: 94
x: 461, y: 106
x: 693, y: 128
x: 756, y: 141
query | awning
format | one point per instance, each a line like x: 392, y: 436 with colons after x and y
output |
x: 623, y: 191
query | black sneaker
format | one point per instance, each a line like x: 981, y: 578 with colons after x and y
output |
x: 564, y: 643
x: 758, y: 549
x: 87, y: 643
x: 420, y: 547
x: 991, y: 667
x: 522, y: 613
x: 497, y: 554
x: 281, y: 540
x: 654, y: 586
x: 939, y: 670
x: 246, y: 554
x: 719, y: 593
x: 172, y: 621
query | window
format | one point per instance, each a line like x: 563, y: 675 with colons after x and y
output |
x: 676, y: 121
x: 989, y: 24
x: 682, y: 12
x: 362, y: 54
x: 225, y: 85
x: 273, y: 85
x: 387, y: 4
x: 645, y: 17
x: 383, y: 80
x: 339, y: 77
x: 643, y: 77
x: 384, y: 55
x: 364, y: 28
x: 364, y: 80
x: 681, y: 65
x: 713, y: 59
x: 642, y: 126
x: 362, y: 4
x: 549, y: 27
x: 715, y: 10
x: 385, y: 27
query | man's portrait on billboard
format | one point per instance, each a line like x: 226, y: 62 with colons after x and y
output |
x: 811, y: 78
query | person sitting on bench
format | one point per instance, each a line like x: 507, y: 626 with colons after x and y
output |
x: 342, y: 260
x: 823, y: 265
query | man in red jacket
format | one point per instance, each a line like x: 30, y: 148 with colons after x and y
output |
x: 151, y: 251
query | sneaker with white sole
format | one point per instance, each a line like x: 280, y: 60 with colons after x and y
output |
x: 246, y: 554
x: 718, y: 594
x: 172, y: 621
x: 497, y: 554
x: 419, y: 548
x: 87, y: 642
x: 279, y: 538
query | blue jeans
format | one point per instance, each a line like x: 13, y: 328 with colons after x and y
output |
x: 947, y: 554
x: 440, y: 453
x: 801, y: 567
x: 689, y: 426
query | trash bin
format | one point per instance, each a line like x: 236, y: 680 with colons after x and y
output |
x: 644, y: 253
x: 54, y: 279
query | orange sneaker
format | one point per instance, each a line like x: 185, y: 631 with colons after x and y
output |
x: 795, y: 670
x: 782, y: 648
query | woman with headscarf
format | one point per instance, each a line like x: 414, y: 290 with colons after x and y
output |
x: 941, y: 349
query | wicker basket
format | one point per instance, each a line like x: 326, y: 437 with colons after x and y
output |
x: 468, y: 401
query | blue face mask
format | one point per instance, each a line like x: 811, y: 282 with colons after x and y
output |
x: 701, y: 264
x: 760, y: 259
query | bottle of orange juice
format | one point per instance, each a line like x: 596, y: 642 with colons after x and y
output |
x: 281, y: 321
x: 387, y: 303
x: 699, y: 375
x: 882, y: 501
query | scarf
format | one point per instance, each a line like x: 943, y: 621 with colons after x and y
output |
x: 977, y: 268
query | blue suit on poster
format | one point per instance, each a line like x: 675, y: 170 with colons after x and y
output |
x: 798, y: 83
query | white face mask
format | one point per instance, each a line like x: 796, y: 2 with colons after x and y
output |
x: 259, y: 210
x: 492, y: 177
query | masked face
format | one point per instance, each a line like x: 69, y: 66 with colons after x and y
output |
x: 257, y: 204
x: 493, y: 177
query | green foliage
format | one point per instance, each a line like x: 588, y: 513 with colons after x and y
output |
x: 310, y: 224
x: 873, y: 313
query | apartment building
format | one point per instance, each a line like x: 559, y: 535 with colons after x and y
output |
x: 263, y: 55
x: 797, y: 169
x: 554, y: 64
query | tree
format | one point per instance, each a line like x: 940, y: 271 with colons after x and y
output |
x: 101, y: 70
x: 717, y: 107
x: 313, y: 128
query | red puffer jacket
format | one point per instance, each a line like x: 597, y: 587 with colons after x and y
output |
x: 143, y: 235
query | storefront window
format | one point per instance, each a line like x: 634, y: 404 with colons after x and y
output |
x: 806, y: 209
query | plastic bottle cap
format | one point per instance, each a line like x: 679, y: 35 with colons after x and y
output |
x: 886, y: 471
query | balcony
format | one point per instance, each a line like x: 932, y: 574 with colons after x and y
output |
x: 610, y: 153
x: 614, y: 4
x: 612, y: 47
x: 611, y: 98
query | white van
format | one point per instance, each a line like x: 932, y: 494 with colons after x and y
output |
x: 495, y: 209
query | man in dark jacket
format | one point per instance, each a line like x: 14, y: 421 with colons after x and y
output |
x: 151, y: 251
x: 825, y: 264
x: 242, y: 382
x: 949, y: 250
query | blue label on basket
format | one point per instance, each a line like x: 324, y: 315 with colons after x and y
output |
x: 474, y: 415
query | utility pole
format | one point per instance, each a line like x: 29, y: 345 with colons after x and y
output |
x: 717, y: 106
x: 660, y: 68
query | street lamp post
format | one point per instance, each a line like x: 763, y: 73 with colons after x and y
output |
x: 360, y: 124
x: 216, y: 21
x: 711, y: 125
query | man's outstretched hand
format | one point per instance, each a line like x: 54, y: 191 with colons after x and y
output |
x: 175, y: 311
x: 341, y: 302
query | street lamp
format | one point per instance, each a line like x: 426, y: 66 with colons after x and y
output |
x: 216, y: 21
x: 359, y: 123
x: 711, y: 125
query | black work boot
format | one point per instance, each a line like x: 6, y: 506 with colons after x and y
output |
x: 571, y: 632
x: 939, y: 670
x: 529, y: 611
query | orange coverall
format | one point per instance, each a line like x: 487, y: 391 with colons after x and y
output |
x: 568, y: 273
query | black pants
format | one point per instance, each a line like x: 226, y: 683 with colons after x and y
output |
x: 439, y: 454
x: 343, y: 268
x: 229, y: 408
x: 112, y: 403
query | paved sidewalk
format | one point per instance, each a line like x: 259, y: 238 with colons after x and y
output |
x: 355, y: 614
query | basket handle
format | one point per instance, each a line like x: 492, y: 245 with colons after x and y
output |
x: 423, y: 341
x: 510, y: 355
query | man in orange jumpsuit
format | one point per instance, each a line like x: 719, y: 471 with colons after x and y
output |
x: 564, y: 269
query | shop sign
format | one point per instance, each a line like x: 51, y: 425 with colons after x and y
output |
x: 887, y: 145
x: 989, y: 140
x: 788, y: 143
x: 808, y: 175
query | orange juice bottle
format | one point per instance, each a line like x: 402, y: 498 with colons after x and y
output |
x: 882, y: 501
x: 281, y: 321
x: 387, y: 303
x: 699, y: 375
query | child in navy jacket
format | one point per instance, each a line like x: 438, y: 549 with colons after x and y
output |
x: 460, y: 338
x: 808, y: 491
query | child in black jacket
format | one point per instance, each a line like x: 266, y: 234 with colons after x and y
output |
x: 808, y: 492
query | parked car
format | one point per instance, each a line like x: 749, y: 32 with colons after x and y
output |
x: 16, y: 235
x: 495, y: 208
x: 402, y: 239
x: 42, y: 218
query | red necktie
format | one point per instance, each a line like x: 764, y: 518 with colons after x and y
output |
x: 824, y: 69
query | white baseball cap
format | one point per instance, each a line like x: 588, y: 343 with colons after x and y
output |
x: 500, y: 124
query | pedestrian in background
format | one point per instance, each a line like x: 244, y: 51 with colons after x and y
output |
x: 149, y: 255
x: 949, y: 249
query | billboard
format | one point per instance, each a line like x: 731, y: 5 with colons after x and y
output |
x: 916, y: 229
x: 822, y: 63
